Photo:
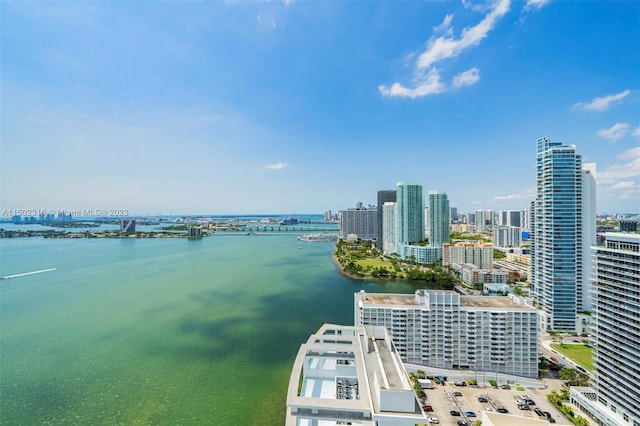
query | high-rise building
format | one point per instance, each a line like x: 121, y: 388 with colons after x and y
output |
x: 389, y: 218
x: 443, y: 329
x: 484, y: 220
x: 453, y: 214
x: 384, y: 196
x: 615, y: 399
x: 507, y: 236
x: 439, y: 220
x: 617, y: 293
x: 560, y: 217
x: 360, y: 222
x: 128, y: 225
x: 410, y: 205
x: 510, y: 218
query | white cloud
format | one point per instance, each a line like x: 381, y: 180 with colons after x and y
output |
x: 445, y: 27
x: 535, y: 4
x: 622, y: 180
x: 448, y: 47
x: 467, y: 78
x: 636, y: 132
x: 627, y: 168
x: 528, y: 194
x: 603, y: 103
x: 615, y: 132
x: 444, y: 47
x: 427, y: 85
x: 276, y: 166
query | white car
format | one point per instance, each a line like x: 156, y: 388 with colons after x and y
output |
x: 433, y: 420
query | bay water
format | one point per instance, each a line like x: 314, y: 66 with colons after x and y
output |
x: 162, y: 331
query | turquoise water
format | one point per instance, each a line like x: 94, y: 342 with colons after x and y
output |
x: 162, y: 331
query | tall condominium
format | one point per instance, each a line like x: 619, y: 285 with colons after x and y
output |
x: 560, y: 217
x: 360, y: 222
x: 510, y: 218
x: 389, y: 219
x: 351, y: 376
x: 384, y: 196
x: 410, y: 205
x: 443, y: 329
x: 484, y: 220
x: 507, y: 236
x: 439, y: 219
x: 617, y: 333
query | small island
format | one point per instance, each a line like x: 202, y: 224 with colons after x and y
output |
x: 361, y: 260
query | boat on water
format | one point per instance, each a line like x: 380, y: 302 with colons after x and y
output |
x: 290, y: 221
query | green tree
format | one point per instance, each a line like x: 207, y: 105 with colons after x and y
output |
x: 574, y: 377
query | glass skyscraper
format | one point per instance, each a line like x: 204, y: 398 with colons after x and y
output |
x: 558, y: 214
x: 439, y: 219
x: 410, y: 213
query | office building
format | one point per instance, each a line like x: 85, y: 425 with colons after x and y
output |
x: 384, y: 196
x: 507, y: 236
x: 560, y: 224
x: 359, y: 222
x: 351, y: 375
x: 128, y: 225
x: 617, y: 330
x: 443, y: 329
x: 476, y: 253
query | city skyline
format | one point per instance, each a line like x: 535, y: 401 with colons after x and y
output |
x: 276, y: 107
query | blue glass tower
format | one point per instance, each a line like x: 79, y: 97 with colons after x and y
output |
x: 556, y: 248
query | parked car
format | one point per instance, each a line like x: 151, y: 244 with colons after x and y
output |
x: 427, y: 407
x: 505, y: 386
x: 433, y: 420
x: 482, y: 399
x: 530, y: 401
x: 550, y: 419
x: 463, y: 423
x: 454, y: 413
x: 460, y: 383
x: 457, y: 393
x: 502, y: 410
x: 524, y: 407
x: 469, y: 414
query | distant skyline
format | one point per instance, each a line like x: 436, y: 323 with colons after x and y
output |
x: 271, y: 107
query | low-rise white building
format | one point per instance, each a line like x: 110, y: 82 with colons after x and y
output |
x: 443, y: 329
x: 351, y: 375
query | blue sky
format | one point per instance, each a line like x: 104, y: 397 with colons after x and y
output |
x: 301, y: 107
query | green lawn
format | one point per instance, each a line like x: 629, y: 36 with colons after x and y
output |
x: 578, y: 353
x: 375, y: 262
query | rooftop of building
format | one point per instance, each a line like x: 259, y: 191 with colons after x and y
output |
x: 336, y: 370
x: 465, y: 301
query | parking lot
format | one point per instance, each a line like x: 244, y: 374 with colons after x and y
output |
x: 443, y: 401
